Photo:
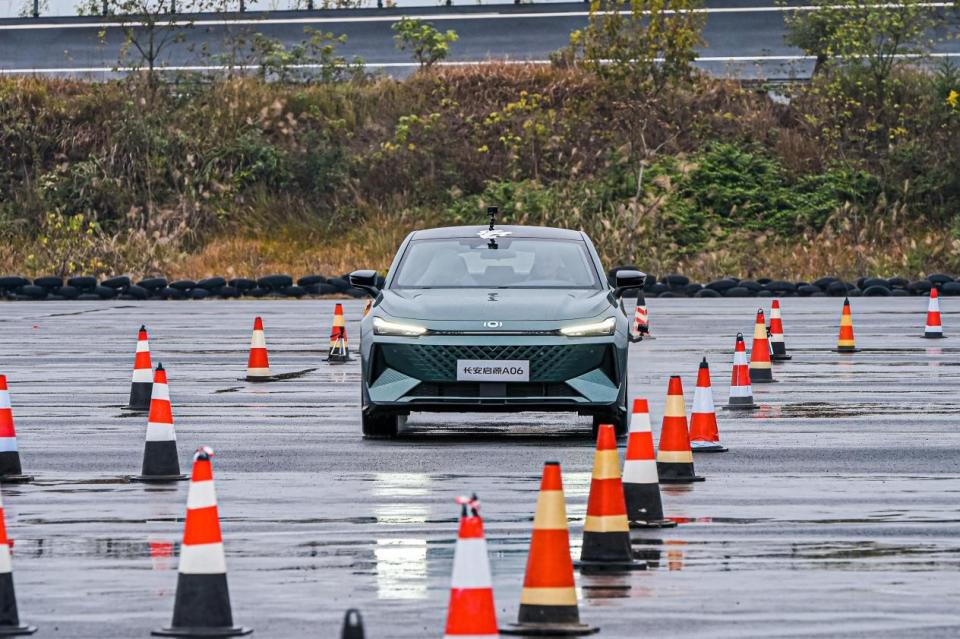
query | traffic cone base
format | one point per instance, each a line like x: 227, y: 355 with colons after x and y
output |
x: 741, y: 403
x: 646, y: 494
x: 761, y: 376
x: 202, y: 598
x: 780, y: 358
x: 549, y: 630
x: 9, y: 620
x: 708, y: 447
x: 139, y: 396
x: 352, y: 625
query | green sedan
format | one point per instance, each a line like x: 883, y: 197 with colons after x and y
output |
x: 495, y: 319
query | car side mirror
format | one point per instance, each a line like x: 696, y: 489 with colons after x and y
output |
x: 366, y: 280
x: 627, y: 280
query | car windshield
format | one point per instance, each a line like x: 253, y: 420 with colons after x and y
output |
x: 503, y: 263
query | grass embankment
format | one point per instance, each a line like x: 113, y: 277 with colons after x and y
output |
x: 708, y: 179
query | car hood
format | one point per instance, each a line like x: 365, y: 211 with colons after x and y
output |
x: 534, y: 305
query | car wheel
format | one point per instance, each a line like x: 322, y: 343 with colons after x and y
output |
x: 618, y: 420
x: 378, y: 425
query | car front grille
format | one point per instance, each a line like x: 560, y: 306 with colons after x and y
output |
x: 548, y: 363
x: 518, y: 390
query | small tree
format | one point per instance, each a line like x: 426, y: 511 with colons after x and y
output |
x: 312, y: 59
x: 149, y: 27
x: 646, y: 41
x: 873, y: 36
x: 429, y: 45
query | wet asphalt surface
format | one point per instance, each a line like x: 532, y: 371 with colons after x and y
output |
x: 835, y: 513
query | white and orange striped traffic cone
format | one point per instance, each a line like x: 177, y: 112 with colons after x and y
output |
x: 641, y: 483
x: 778, y: 346
x: 202, y: 604
x: 339, y: 350
x: 741, y: 392
x: 161, y: 463
x: 760, y: 370
x: 141, y: 384
x: 9, y: 617
x: 641, y: 321
x: 10, y: 470
x: 704, y: 433
x: 258, y: 365
x: 471, y: 613
x: 933, y: 329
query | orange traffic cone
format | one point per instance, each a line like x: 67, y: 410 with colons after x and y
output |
x: 934, y: 329
x: 606, y: 532
x: 202, y: 604
x: 142, y: 374
x: 675, y: 459
x: 339, y: 351
x: 641, y: 323
x: 641, y: 484
x: 778, y: 347
x: 9, y: 617
x: 741, y: 392
x: 760, y: 370
x: 548, y: 603
x: 160, y: 460
x: 846, y: 342
x: 258, y: 366
x: 10, y: 470
x: 471, y: 612
x: 704, y: 434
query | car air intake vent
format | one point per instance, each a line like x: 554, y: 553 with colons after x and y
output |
x: 428, y: 390
x: 548, y: 362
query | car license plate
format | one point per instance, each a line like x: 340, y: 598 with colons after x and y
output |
x: 484, y: 370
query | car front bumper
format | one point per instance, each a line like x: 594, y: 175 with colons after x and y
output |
x: 565, y: 374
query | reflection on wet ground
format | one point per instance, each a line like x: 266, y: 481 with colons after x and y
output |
x: 834, y: 513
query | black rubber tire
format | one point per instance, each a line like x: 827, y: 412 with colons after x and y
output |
x: 620, y: 424
x: 50, y: 283
x: 227, y: 292
x: 379, y: 425
x: 738, y: 291
x: 721, y: 285
x: 676, y: 281
x: 242, y: 284
x: 88, y: 297
x: 84, y: 283
x: 275, y: 282
x: 339, y: 283
x: 68, y: 292
x: 707, y: 292
x: 137, y: 292
x: 171, y: 294
x: 153, y: 284
x: 199, y: 293
x: 116, y: 282
x: 212, y: 283
x: 34, y: 292
x: 183, y: 285
x: 936, y: 278
x: 327, y: 289
x: 309, y: 280
x: 295, y: 291
x: 13, y: 282
x: 256, y: 292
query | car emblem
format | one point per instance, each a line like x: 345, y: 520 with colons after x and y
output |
x: 489, y: 234
x: 492, y: 324
x: 492, y: 297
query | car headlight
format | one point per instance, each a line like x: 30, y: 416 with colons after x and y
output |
x: 605, y: 327
x: 383, y: 327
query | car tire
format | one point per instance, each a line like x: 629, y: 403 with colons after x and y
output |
x: 618, y: 420
x: 378, y: 425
